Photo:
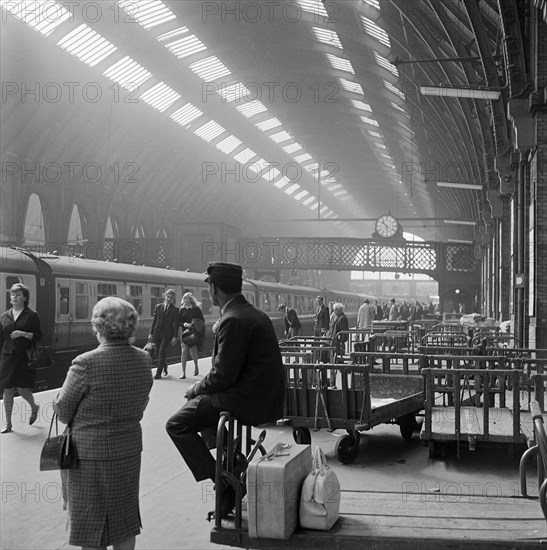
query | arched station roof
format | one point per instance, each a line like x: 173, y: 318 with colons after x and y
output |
x: 296, y: 117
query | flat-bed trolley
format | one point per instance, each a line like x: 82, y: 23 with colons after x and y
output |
x: 363, y: 401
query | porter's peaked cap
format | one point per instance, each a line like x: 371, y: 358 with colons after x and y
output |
x: 218, y: 271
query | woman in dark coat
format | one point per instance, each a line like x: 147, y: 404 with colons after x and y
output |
x: 190, y: 311
x: 103, y: 399
x: 20, y: 331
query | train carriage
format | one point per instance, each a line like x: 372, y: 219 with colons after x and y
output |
x: 65, y: 288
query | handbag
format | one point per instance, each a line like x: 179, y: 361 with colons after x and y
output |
x: 150, y: 347
x: 58, y: 452
x: 39, y: 356
x: 320, y: 498
x: 188, y: 337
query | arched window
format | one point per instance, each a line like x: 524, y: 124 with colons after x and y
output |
x: 76, y: 227
x: 34, y: 221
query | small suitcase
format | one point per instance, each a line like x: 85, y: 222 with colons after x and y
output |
x: 274, y: 485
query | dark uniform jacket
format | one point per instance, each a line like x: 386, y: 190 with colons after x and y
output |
x: 247, y: 375
x: 165, y: 324
x: 340, y: 324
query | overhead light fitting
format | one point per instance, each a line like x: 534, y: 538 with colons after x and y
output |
x: 447, y: 91
x: 459, y: 241
x: 457, y: 185
x: 460, y: 222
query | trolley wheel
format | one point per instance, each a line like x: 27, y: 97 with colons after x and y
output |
x: 346, y: 449
x: 302, y: 436
x: 407, y: 425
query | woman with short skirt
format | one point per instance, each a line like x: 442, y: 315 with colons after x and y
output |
x: 103, y: 399
x: 20, y: 330
x: 190, y: 311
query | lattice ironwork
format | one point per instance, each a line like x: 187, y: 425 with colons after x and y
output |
x: 430, y: 258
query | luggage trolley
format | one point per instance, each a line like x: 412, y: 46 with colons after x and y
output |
x: 363, y: 401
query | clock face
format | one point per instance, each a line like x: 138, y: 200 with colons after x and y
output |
x: 386, y: 225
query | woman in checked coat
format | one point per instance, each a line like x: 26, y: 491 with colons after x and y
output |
x: 103, y: 399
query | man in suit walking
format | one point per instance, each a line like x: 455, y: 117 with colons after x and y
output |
x: 321, y: 325
x: 164, y: 329
x: 246, y: 378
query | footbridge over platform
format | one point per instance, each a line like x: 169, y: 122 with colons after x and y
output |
x: 450, y: 264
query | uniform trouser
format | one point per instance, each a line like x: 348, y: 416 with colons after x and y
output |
x: 197, y: 415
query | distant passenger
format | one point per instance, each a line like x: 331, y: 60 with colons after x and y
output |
x: 321, y: 325
x: 339, y: 333
x: 365, y: 315
x: 393, y: 310
x: 191, y: 318
x: 20, y: 330
x: 246, y: 378
x: 292, y: 322
x: 164, y: 329
x: 103, y: 398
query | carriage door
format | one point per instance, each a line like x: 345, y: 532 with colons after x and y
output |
x: 64, y: 313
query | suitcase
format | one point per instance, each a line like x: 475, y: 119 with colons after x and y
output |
x: 274, y: 485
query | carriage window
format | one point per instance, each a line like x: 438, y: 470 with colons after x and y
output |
x: 134, y: 297
x: 82, y: 300
x: 104, y: 290
x: 155, y: 296
x: 64, y: 296
x: 10, y: 281
x: 206, y: 303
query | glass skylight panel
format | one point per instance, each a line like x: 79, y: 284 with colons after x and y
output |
x: 383, y: 62
x: 350, y: 86
x: 335, y: 187
x: 314, y: 206
x: 301, y: 194
x: 269, y: 124
x: 322, y: 211
x: 87, y: 45
x: 294, y: 187
x: 339, y: 63
x: 394, y: 89
x: 383, y: 155
x: 231, y: 143
x: 373, y: 3
x: 399, y: 108
x: 307, y: 201
x: 258, y: 165
x: 148, y: 13
x: 372, y: 29
x: 233, y: 92
x: 375, y: 134
x: 282, y: 182
x: 368, y: 120
x: 208, y: 132
x: 327, y: 37
x: 271, y: 174
x: 292, y: 148
x: 311, y: 167
x: 41, y: 16
x: 280, y: 136
x: 160, y: 97
x: 210, y: 69
x: 128, y: 73
x: 338, y: 193
x: 188, y: 45
x: 166, y: 36
x: 243, y: 157
x: 380, y: 145
x: 314, y: 6
x: 303, y: 158
x: 361, y: 105
x: 251, y: 109
x: 186, y: 114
